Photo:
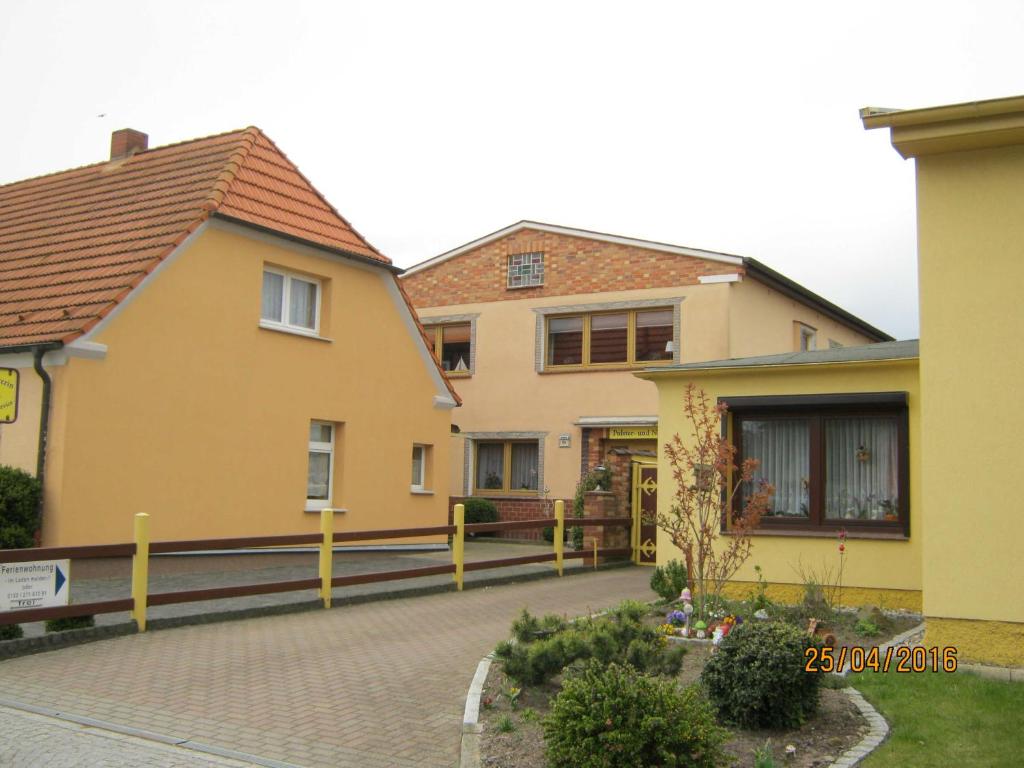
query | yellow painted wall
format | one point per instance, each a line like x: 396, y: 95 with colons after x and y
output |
x: 870, y: 564
x: 506, y: 393
x: 201, y: 418
x: 971, y: 241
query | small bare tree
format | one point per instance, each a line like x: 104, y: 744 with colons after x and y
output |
x: 706, y: 484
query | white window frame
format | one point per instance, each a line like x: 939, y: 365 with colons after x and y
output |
x: 809, y: 333
x: 421, y: 485
x: 316, y: 446
x: 283, y: 324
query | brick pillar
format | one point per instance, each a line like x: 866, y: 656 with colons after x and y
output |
x: 603, y: 504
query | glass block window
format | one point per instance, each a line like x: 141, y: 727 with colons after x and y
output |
x: 525, y: 270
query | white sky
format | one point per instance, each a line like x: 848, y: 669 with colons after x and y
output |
x: 726, y: 126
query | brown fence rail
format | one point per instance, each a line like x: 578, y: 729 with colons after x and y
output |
x: 142, y: 548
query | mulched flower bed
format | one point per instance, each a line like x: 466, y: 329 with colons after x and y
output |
x: 838, y: 725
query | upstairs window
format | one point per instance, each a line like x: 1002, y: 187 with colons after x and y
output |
x: 452, y: 346
x: 610, y: 339
x: 526, y: 270
x: 806, y: 338
x: 290, y: 302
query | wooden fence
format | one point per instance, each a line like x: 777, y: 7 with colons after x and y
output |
x: 141, y: 549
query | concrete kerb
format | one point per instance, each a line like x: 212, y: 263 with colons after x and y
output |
x: 904, y: 638
x: 53, y: 641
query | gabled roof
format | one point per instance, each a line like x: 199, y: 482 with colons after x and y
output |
x: 75, y: 243
x: 571, y: 232
x: 751, y: 267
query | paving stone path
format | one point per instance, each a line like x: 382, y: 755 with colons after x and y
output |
x: 371, y: 685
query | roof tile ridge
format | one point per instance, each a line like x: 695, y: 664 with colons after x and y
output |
x: 323, y: 199
x: 227, y: 176
x: 100, y: 163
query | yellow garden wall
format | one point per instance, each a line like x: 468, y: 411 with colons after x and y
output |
x: 201, y: 418
x: 876, y: 571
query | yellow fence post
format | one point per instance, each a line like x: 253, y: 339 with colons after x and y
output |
x: 559, y: 534
x: 458, y: 543
x: 140, y: 570
x: 326, y: 554
x: 595, y: 553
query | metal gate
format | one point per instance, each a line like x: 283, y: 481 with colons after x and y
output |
x: 645, y: 510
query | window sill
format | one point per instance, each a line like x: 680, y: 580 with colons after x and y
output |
x: 484, y: 494
x: 421, y: 492
x: 458, y: 374
x: 264, y: 325
x: 605, y: 368
x: 317, y: 509
x: 804, y: 533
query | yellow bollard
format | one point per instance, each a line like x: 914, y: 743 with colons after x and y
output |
x: 458, y: 543
x: 326, y: 554
x: 559, y: 534
x: 140, y: 571
x: 595, y: 553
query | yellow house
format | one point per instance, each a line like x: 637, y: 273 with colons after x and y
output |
x: 541, y: 327
x: 197, y: 334
x: 913, y: 452
x: 837, y: 434
x: 970, y: 223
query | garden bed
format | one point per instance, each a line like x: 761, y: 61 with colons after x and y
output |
x: 837, y: 727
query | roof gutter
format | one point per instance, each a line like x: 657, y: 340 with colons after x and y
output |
x: 797, y: 292
x: 310, y: 243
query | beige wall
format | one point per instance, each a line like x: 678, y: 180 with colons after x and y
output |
x: 757, y: 324
x: 971, y: 240
x: 891, y: 566
x: 201, y: 418
x: 506, y: 394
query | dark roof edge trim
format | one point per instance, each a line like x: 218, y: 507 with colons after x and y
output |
x: 46, y: 346
x: 308, y: 243
x: 794, y: 290
x: 838, y: 398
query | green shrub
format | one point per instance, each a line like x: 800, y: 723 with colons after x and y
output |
x: 669, y: 581
x: 607, y: 717
x: 19, y: 508
x: 11, y: 631
x: 866, y: 628
x: 480, y: 511
x: 757, y: 678
x: 546, y: 646
x: 548, y: 534
x: 70, y: 622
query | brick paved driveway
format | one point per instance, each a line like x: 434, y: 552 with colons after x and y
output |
x: 379, y: 684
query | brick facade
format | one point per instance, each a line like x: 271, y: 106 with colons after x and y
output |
x: 572, y: 265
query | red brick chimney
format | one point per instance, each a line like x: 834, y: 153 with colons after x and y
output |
x: 127, y: 142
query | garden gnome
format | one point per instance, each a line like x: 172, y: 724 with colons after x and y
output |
x: 717, y: 635
x: 686, y: 597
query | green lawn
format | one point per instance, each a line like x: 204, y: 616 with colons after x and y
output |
x: 940, y: 719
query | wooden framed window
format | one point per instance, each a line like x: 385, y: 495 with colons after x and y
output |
x: 290, y: 302
x: 617, y: 339
x: 452, y: 345
x: 506, y: 467
x: 834, y: 464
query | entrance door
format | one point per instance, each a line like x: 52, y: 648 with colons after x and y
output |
x: 645, y: 510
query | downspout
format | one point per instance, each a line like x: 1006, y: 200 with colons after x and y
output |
x: 44, y: 414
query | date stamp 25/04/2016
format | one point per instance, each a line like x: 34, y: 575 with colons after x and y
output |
x: 901, y: 658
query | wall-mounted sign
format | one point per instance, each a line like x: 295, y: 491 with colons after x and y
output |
x: 632, y: 433
x: 8, y: 395
x: 39, y: 584
x: 564, y: 441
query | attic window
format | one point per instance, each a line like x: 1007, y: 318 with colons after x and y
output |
x: 290, y: 302
x: 525, y: 270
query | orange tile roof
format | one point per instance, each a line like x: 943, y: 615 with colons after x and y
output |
x: 74, y: 243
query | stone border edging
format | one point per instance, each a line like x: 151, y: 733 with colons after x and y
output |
x: 139, y: 733
x: 900, y: 639
x: 879, y: 730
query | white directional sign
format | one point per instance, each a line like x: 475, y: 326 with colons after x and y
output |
x: 39, y: 584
